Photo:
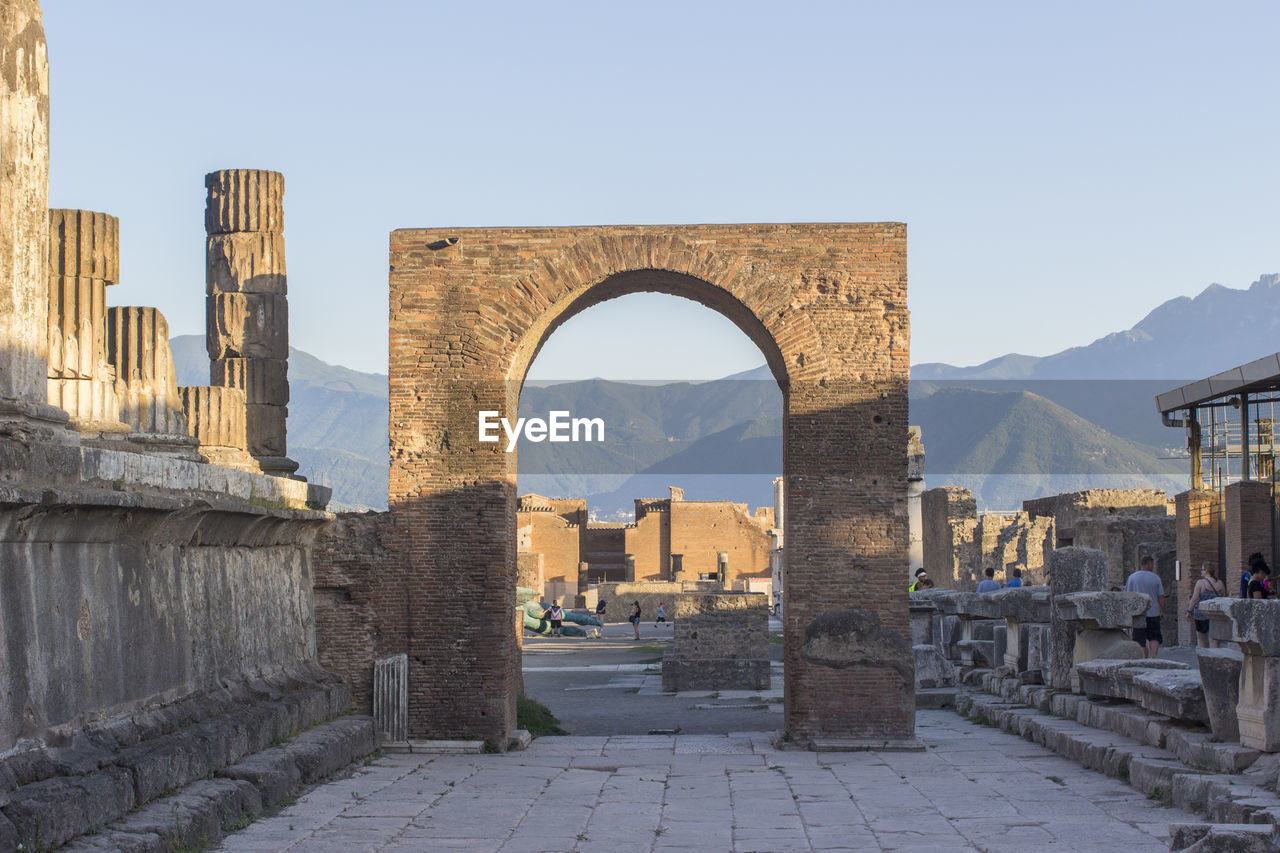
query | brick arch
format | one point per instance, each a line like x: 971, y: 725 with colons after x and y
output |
x: 826, y: 304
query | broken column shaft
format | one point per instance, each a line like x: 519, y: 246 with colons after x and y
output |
x: 84, y: 258
x: 247, y: 308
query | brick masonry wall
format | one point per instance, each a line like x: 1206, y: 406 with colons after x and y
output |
x: 701, y: 530
x: 346, y: 559
x: 1197, y: 526
x: 1246, y: 526
x: 1119, y: 537
x: 469, y: 309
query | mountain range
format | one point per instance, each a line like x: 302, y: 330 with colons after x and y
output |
x: 1011, y: 428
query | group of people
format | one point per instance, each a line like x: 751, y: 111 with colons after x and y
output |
x: 554, y: 614
x: 988, y: 584
x: 1255, y: 582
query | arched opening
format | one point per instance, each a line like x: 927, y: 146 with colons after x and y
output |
x: 826, y: 304
x: 677, y: 502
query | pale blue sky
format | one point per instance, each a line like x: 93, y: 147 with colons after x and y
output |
x: 1061, y: 168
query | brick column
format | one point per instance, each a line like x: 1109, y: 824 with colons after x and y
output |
x: 1246, y: 519
x: 1196, y: 517
x: 247, y: 306
x: 84, y: 258
x: 24, y: 227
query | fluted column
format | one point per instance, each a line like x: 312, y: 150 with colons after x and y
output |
x: 247, y: 308
x: 24, y: 226
x: 84, y: 258
x: 215, y: 416
x: 138, y: 348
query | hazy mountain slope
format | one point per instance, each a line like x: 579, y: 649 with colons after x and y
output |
x: 1181, y: 340
x: 337, y: 421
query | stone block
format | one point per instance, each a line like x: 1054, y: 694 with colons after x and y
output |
x: 932, y: 669
x: 714, y: 674
x: 1176, y: 694
x: 246, y: 262
x: 1104, y: 610
x: 1038, y: 651
x: 1220, y: 676
x: 264, y: 381
x: 244, y: 200
x: 84, y: 244
x: 1098, y: 677
x: 1070, y: 570
x: 265, y: 429
x: 247, y: 325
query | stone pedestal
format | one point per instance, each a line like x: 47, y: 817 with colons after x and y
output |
x: 720, y: 642
x: 84, y: 259
x: 1220, y: 676
x: 247, y: 308
x: 1100, y: 622
x: 1070, y: 570
x: 1252, y: 625
x: 1021, y: 607
x: 25, y: 414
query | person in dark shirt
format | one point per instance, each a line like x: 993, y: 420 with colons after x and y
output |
x: 1260, y: 586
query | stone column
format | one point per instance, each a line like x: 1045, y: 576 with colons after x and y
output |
x: 247, y: 307
x: 216, y: 418
x: 1250, y: 624
x: 1101, y: 623
x: 24, y: 227
x: 84, y: 258
x: 138, y: 349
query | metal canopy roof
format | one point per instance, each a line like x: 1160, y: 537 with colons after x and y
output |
x: 1260, y: 375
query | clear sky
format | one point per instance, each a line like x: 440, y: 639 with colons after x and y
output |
x: 1062, y: 168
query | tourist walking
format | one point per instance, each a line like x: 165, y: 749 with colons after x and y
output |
x: 661, y: 616
x: 1207, y: 588
x: 990, y: 584
x: 634, y: 618
x: 1146, y: 581
x: 555, y: 613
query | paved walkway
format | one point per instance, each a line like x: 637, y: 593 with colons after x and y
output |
x: 973, y: 788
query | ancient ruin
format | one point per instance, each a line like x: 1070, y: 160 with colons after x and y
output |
x: 826, y: 304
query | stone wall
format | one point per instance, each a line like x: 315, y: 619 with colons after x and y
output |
x: 960, y: 545
x: 950, y: 520
x: 1119, y: 537
x: 133, y: 580
x: 1069, y: 506
x: 618, y: 597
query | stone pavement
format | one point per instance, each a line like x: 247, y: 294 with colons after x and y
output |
x: 972, y: 788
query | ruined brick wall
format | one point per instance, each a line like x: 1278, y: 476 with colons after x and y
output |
x: 1197, y: 525
x: 1246, y: 527
x: 347, y: 555
x: 1119, y: 537
x: 700, y: 530
x: 604, y: 546
x: 1091, y: 503
x: 558, y: 541
x: 720, y: 641
x: 826, y: 304
x: 648, y: 541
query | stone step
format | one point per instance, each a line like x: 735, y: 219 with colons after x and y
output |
x: 203, y: 812
x: 1192, y: 743
x: 57, y: 794
x: 1157, y: 772
x: 1225, y: 837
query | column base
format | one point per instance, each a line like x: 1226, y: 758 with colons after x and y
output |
x: 28, y: 421
x: 278, y: 466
